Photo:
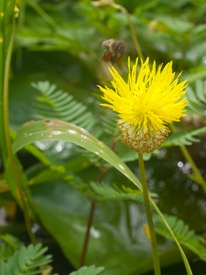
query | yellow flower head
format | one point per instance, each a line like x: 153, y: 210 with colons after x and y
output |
x: 151, y: 99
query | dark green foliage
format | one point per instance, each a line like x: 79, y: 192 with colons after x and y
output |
x: 60, y: 41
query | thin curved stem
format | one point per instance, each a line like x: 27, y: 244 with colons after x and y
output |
x: 43, y: 14
x: 156, y: 263
x: 186, y: 263
x: 86, y: 238
x: 92, y: 211
x: 197, y: 175
x: 89, y: 223
x: 131, y: 27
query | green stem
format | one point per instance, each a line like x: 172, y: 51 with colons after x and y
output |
x: 197, y: 176
x: 8, y: 153
x: 43, y: 14
x: 156, y: 263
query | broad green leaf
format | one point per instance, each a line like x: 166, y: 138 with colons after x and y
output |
x: 120, y: 248
x: 175, y: 24
x: 59, y: 130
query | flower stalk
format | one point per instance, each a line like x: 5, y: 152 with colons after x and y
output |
x: 156, y: 262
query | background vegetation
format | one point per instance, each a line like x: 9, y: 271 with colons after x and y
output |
x: 55, y: 68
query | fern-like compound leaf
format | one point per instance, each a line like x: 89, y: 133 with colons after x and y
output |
x: 54, y: 103
x: 197, y: 98
x: 183, y: 233
x: 26, y: 261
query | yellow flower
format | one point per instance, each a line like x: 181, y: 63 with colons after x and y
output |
x: 149, y: 101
